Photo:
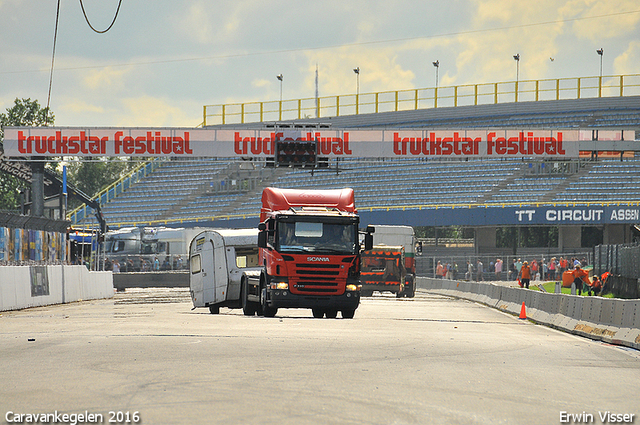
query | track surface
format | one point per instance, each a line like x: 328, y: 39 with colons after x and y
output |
x: 426, y: 360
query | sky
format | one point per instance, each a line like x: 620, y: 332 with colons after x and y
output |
x: 162, y: 60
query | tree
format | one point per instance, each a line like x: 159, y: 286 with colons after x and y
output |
x: 92, y: 174
x: 25, y: 112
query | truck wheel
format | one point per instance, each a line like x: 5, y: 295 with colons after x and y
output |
x: 214, y: 309
x: 266, y: 310
x: 331, y: 314
x: 317, y: 313
x: 248, y: 307
x: 412, y: 288
x: 348, y: 314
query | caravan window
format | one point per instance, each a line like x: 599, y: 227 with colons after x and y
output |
x: 195, y: 264
x: 246, y: 258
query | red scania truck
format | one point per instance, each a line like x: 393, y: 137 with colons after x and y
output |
x: 309, y: 252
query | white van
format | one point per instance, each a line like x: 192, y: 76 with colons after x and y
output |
x: 220, y: 262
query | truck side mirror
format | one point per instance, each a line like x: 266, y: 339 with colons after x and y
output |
x: 262, y: 235
x: 262, y: 239
x: 368, y: 238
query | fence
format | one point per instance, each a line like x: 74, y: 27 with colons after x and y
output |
x: 412, y: 99
x: 623, y: 262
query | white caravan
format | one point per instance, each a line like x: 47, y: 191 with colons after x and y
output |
x: 220, y: 262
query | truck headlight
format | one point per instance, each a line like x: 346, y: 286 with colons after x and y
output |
x: 352, y: 288
x: 280, y: 285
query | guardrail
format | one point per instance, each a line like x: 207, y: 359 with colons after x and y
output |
x: 614, y: 321
x: 412, y: 99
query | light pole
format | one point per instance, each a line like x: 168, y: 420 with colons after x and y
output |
x: 600, y: 53
x: 279, y: 77
x: 516, y: 57
x: 357, y: 71
x: 436, y: 64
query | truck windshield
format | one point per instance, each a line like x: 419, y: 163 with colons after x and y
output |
x: 326, y: 238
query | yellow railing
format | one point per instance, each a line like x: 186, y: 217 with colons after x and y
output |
x: 403, y: 100
x: 381, y: 208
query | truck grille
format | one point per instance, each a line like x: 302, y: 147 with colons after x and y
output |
x: 318, y: 278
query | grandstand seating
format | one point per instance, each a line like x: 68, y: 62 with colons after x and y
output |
x: 178, y: 190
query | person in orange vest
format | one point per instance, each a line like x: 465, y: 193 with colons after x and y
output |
x: 580, y: 278
x: 525, y: 275
x: 596, y: 285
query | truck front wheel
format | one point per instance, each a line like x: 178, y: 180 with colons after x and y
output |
x: 348, y: 314
x: 266, y: 310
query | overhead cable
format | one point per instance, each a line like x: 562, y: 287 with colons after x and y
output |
x: 89, y: 23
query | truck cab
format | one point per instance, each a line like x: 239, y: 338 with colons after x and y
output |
x: 310, y: 253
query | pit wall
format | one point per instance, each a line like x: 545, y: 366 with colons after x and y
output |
x: 31, y: 286
x: 614, y: 321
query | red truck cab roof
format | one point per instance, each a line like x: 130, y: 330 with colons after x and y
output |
x: 275, y: 199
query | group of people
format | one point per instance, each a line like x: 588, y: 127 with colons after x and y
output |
x: 525, y: 272
x: 143, y: 264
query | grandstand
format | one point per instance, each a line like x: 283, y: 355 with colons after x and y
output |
x: 221, y: 192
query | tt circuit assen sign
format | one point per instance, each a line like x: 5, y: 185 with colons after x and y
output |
x: 189, y: 142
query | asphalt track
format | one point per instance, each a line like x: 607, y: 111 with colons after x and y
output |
x: 427, y: 360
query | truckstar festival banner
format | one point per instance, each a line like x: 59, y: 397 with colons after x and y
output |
x: 242, y: 143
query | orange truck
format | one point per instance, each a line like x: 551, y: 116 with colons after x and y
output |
x: 309, y: 253
x: 390, y: 265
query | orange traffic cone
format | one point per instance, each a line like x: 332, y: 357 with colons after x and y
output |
x: 523, y: 312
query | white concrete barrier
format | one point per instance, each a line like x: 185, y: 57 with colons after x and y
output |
x: 30, y: 286
x: 615, y: 321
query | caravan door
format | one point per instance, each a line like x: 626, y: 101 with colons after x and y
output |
x: 196, y: 274
x: 219, y: 268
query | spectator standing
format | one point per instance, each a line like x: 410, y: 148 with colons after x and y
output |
x: 513, y: 273
x: 479, y: 271
x: 498, y: 269
x: 534, y: 270
x: 518, y: 265
x: 469, y: 274
x: 439, y: 271
x: 525, y: 275
x: 564, y: 264
x: 116, y: 266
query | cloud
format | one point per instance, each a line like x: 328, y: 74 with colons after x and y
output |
x: 209, y: 25
x: 601, y: 29
x: 629, y: 61
x: 105, y: 79
x: 379, y: 71
x: 151, y: 111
